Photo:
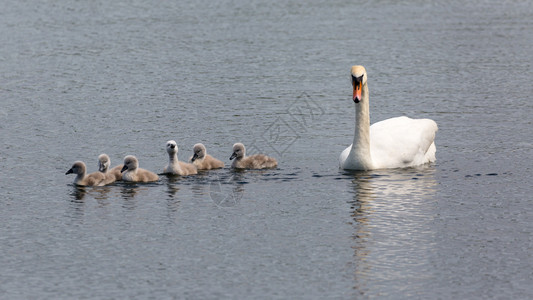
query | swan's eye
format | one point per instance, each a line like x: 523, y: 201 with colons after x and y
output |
x: 357, y: 79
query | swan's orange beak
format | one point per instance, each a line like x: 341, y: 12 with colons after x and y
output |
x: 357, y: 85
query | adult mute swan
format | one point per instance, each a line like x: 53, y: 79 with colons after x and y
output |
x: 393, y: 143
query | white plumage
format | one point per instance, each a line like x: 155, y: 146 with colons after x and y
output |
x: 393, y: 143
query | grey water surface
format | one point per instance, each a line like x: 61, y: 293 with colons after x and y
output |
x: 80, y: 78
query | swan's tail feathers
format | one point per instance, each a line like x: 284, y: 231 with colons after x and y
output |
x: 429, y: 137
x: 430, y: 154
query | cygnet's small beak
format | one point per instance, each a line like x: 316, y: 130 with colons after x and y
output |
x: 69, y: 171
x: 233, y: 156
x: 194, y: 157
x: 123, y: 169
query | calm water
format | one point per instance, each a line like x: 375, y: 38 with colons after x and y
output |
x: 80, y: 78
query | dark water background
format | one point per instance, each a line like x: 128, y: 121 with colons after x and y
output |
x: 79, y: 78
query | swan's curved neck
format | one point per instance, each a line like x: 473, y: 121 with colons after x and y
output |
x: 361, y: 141
x: 173, y: 161
x: 172, y: 157
x: 80, y: 177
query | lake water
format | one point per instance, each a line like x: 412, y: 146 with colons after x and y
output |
x: 80, y: 78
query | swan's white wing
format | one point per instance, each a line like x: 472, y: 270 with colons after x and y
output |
x: 344, y: 156
x: 402, y: 142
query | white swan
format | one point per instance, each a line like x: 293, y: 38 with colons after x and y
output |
x: 393, y: 143
x: 257, y: 161
x: 176, y: 167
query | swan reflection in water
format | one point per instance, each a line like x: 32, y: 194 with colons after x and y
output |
x: 76, y: 207
x: 100, y: 193
x: 392, y: 212
x: 128, y: 192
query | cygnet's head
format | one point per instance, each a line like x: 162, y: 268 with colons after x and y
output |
x: 77, y: 168
x: 359, y: 78
x: 238, y: 151
x: 199, y: 152
x: 103, y: 162
x: 130, y: 163
x: 172, y: 147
